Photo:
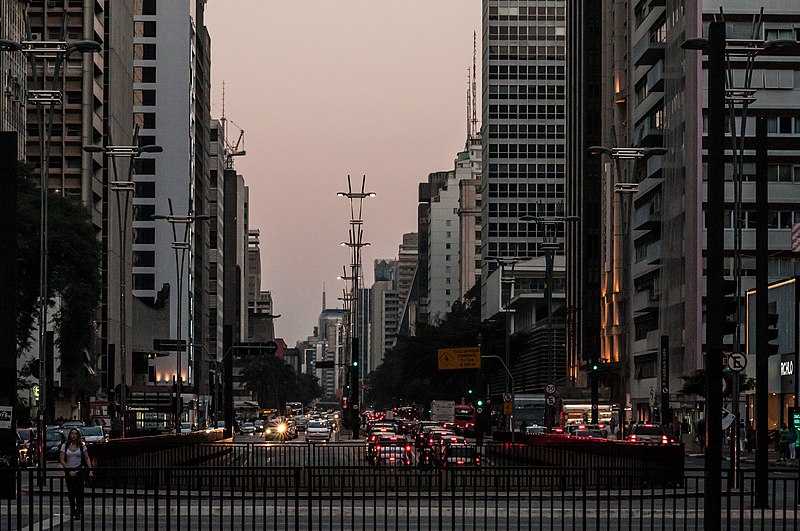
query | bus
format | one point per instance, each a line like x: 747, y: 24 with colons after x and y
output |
x: 294, y: 409
x: 466, y: 418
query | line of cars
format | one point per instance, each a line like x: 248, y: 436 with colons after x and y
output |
x: 397, y: 443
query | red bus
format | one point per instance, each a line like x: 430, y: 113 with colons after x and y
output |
x: 466, y: 417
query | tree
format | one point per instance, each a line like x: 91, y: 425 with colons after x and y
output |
x: 275, y: 382
x: 73, y: 275
x: 410, y: 372
x: 695, y: 383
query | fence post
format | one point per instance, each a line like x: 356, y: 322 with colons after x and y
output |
x: 168, y: 485
x: 297, y: 479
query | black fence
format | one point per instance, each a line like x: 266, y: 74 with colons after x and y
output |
x: 318, y: 498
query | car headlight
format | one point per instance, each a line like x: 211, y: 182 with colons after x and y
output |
x: 269, y: 431
x: 281, y: 428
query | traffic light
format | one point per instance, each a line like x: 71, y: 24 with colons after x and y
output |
x: 480, y: 403
x: 730, y: 307
x: 469, y: 392
x: 355, y: 364
x: 772, y: 333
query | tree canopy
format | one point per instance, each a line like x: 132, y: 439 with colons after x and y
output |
x: 73, y: 275
x: 275, y: 382
x: 409, y: 372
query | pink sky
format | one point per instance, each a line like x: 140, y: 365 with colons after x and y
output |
x: 327, y: 88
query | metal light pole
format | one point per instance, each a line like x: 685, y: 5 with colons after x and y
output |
x: 549, y: 245
x: 621, y: 252
x: 355, y: 244
x: 45, y: 97
x: 180, y: 247
x: 123, y: 188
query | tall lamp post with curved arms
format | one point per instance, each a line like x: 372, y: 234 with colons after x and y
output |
x: 355, y: 244
x: 181, y: 247
x: 620, y: 249
x: 123, y: 188
x: 44, y: 97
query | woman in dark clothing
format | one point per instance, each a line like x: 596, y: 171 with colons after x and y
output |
x: 75, y: 461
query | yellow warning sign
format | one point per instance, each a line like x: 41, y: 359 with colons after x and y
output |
x: 459, y: 358
x: 508, y: 408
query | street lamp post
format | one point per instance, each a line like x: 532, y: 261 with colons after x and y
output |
x: 123, y: 188
x: 355, y: 244
x: 550, y: 246
x: 45, y: 97
x: 719, y: 48
x: 180, y: 247
x: 622, y: 257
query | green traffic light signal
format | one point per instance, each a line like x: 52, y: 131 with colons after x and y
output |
x: 480, y: 403
x: 355, y: 364
x: 595, y: 367
x: 469, y: 392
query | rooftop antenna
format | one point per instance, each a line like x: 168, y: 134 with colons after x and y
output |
x: 474, y: 130
x: 231, y: 149
x: 469, y: 106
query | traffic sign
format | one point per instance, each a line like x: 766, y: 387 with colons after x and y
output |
x: 355, y: 407
x: 550, y: 389
x: 551, y: 400
x: 479, y: 410
x: 459, y: 358
x: 737, y: 361
x: 506, y: 397
x: 507, y: 408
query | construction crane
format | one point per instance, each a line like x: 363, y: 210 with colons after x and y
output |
x: 231, y: 149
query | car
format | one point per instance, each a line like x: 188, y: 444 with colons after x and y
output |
x: 93, y: 434
x: 649, y: 433
x: 318, y: 430
x: 436, y: 438
x: 376, y: 439
x: 186, y: 427
x: 533, y: 430
x: 276, y: 430
x: 30, y: 445
x: 593, y: 434
x: 69, y: 424
x: 301, y: 423
x: 394, y: 452
x: 259, y: 424
x: 248, y: 428
x: 54, y: 438
x: 459, y: 454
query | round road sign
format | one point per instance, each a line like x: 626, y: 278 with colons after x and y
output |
x: 506, y: 397
x: 551, y: 400
x: 550, y: 389
x: 480, y: 410
x: 355, y: 407
x: 737, y: 361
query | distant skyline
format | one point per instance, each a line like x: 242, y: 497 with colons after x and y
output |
x: 325, y: 89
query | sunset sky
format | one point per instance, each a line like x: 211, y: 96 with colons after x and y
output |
x: 327, y: 88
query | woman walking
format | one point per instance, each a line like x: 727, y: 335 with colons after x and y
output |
x: 784, y: 436
x: 74, y: 458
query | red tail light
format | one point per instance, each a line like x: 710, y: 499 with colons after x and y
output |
x: 633, y: 437
x: 460, y: 461
x: 377, y: 448
x: 408, y: 448
x: 477, y: 461
x: 664, y: 439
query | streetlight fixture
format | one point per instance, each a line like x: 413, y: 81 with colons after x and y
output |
x: 624, y: 189
x: 123, y: 188
x: 180, y: 247
x: 43, y: 96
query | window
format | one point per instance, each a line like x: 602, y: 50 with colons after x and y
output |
x: 145, y: 29
x: 144, y: 74
x: 447, y: 223
x: 144, y: 236
x: 447, y: 257
x: 213, y: 178
x: 147, y: 140
x: 146, y: 7
x: 143, y: 212
x: 214, y: 134
x: 146, y: 189
x: 144, y: 51
x: 145, y: 120
x: 447, y: 246
x: 145, y: 167
x: 146, y: 98
x: 144, y: 259
x: 447, y: 234
x: 780, y: 173
x: 447, y: 292
x: 141, y: 281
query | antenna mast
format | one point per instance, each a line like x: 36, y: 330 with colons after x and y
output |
x: 469, y: 106
x: 474, y: 129
x: 231, y: 149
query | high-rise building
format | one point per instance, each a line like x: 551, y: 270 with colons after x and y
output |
x: 523, y: 164
x: 469, y: 215
x: 13, y: 70
x: 172, y: 49
x: 583, y: 186
x: 428, y: 191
